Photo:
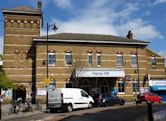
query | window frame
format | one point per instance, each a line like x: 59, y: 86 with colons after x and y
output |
x: 122, y: 60
x: 90, y: 62
x: 121, y: 88
x: 52, y: 59
x: 68, y: 60
x: 154, y: 64
x: 135, y: 60
x: 98, y: 61
x: 136, y: 87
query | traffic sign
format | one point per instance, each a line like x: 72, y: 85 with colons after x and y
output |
x: 47, y: 80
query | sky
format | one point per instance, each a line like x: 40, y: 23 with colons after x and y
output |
x: 145, y: 18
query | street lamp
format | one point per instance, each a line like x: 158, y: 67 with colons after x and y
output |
x: 53, y: 28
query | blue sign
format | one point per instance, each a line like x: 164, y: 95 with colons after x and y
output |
x: 158, y: 88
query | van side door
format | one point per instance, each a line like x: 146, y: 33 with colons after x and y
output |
x: 84, y: 99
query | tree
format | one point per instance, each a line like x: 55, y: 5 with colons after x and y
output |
x: 77, y: 64
x: 5, y: 83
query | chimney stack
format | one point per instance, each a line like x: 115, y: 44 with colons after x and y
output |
x: 130, y: 35
x: 39, y: 5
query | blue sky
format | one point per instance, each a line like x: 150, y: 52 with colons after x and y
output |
x: 145, y: 18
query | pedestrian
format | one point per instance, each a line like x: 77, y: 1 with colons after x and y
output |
x: 136, y: 99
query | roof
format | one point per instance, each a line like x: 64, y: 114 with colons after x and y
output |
x: 90, y: 38
x: 22, y: 9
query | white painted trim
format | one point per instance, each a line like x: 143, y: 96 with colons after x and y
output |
x: 94, y: 41
x: 121, y: 93
x: 18, y: 68
x: 16, y: 45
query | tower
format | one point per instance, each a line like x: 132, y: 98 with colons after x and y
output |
x: 21, y: 24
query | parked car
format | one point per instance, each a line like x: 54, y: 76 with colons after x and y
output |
x: 148, y: 97
x: 107, y: 99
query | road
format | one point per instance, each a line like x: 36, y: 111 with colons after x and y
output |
x: 127, y: 112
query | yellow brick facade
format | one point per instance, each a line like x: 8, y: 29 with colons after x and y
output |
x: 19, y: 31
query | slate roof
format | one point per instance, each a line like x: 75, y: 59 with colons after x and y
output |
x: 95, y: 38
x: 22, y: 9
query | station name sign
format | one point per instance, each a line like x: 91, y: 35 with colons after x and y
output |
x: 100, y: 73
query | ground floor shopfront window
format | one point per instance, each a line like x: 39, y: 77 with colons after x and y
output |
x: 121, y: 87
x: 136, y: 86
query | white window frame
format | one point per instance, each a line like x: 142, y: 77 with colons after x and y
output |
x: 121, y: 64
x: 135, y: 86
x: 52, y: 64
x: 121, y: 82
x: 90, y: 62
x: 136, y: 63
x: 65, y: 60
x: 97, y: 59
x: 153, y: 59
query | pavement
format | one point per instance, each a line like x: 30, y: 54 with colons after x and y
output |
x: 6, y: 116
x: 158, y: 116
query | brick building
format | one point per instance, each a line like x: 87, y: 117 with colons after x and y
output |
x: 96, y: 63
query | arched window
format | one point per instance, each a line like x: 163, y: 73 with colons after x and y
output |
x: 104, y: 86
x: 98, y: 57
x: 153, y: 61
x: 90, y: 57
x: 119, y: 59
x: 133, y: 60
x: 68, y: 58
x: 51, y: 58
x: 85, y: 85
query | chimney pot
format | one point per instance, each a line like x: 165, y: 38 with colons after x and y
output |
x: 130, y: 35
x: 39, y: 5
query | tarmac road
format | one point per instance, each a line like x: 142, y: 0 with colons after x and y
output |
x: 128, y: 112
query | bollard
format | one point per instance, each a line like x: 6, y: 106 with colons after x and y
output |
x: 149, y: 111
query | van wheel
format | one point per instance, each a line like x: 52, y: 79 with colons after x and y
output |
x: 90, y: 105
x: 69, y: 108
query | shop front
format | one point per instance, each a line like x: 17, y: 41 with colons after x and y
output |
x: 158, y: 87
x: 99, y: 80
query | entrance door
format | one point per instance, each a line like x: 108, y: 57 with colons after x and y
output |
x: 104, y: 86
x: 86, y: 86
x: 19, y: 92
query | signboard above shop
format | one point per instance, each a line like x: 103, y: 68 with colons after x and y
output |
x: 99, y: 72
x: 157, y: 83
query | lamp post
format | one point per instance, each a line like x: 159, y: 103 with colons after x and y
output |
x: 53, y: 28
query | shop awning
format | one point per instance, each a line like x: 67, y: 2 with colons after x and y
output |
x: 100, y: 72
x: 157, y: 85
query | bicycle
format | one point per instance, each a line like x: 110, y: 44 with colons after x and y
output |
x: 13, y: 108
x: 27, y: 106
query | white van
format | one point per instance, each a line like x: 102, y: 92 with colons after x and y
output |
x: 68, y: 99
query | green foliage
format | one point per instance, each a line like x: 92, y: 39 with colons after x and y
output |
x: 5, y: 83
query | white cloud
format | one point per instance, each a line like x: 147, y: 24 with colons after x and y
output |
x: 103, y: 17
x: 163, y: 53
x: 140, y: 29
x: 63, y: 3
x: 159, y: 2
